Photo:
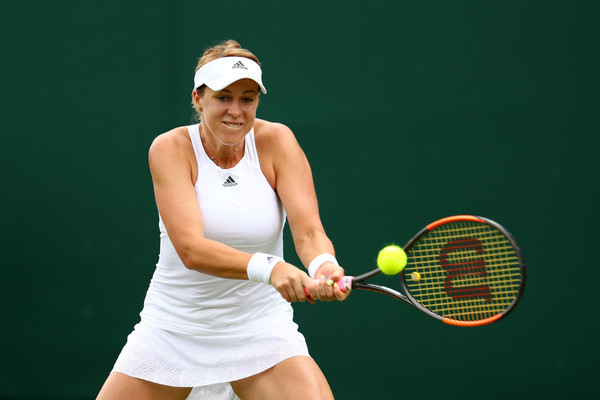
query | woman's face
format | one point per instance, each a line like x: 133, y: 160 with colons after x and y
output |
x: 229, y: 114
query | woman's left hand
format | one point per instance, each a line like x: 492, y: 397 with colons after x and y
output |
x: 327, y: 288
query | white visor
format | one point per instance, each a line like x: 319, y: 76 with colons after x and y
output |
x: 222, y: 72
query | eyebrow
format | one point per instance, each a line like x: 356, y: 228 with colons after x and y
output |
x: 244, y: 92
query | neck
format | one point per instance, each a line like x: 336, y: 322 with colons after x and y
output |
x: 222, y: 154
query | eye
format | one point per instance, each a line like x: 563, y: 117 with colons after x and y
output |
x: 222, y: 98
x: 247, y: 100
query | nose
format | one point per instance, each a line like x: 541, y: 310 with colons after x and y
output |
x: 235, y: 109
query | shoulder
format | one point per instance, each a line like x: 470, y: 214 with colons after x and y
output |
x: 278, y: 150
x: 169, y: 147
x: 175, y: 141
x: 177, y: 138
x: 273, y: 136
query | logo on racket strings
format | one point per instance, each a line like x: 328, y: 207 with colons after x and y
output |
x: 464, y: 269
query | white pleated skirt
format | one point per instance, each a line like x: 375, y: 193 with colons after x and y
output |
x: 206, y: 363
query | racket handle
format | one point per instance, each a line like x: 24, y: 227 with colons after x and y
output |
x: 345, y: 283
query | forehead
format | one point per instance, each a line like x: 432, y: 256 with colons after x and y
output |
x: 242, y: 86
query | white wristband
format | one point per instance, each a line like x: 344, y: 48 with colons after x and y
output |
x: 319, y: 260
x: 260, y: 267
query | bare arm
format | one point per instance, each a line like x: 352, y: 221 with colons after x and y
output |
x: 172, y: 164
x: 294, y: 185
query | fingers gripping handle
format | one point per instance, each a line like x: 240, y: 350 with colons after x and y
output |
x: 345, y: 283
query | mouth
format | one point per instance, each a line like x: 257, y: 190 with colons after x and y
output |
x: 233, y: 124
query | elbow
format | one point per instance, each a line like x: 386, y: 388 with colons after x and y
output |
x: 189, y: 257
x: 188, y: 262
x: 196, y: 258
x: 190, y: 250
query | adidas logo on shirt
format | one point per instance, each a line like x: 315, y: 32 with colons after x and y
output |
x: 239, y: 65
x: 229, y: 182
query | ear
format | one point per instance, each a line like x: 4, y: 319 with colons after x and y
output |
x: 196, y: 101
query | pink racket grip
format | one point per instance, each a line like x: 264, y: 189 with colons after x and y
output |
x: 345, y: 283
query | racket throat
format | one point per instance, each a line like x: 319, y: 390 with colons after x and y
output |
x: 382, y: 289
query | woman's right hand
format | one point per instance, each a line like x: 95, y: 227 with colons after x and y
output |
x: 291, y: 282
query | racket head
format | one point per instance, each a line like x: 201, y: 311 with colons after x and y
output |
x: 464, y: 270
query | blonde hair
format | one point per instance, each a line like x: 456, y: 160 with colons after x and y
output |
x: 227, y: 48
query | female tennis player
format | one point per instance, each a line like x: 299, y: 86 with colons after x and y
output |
x: 217, y: 320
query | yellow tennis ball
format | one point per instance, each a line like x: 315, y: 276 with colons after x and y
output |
x: 391, y: 260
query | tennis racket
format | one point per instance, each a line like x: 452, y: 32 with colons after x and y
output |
x: 462, y: 270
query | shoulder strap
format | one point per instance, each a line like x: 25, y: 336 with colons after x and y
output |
x: 201, y: 156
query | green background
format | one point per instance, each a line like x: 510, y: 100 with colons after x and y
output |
x: 409, y: 111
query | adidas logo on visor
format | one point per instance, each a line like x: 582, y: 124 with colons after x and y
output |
x: 229, y: 182
x: 238, y: 65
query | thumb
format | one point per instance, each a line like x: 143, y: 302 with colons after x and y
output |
x: 337, y: 274
x: 310, y: 288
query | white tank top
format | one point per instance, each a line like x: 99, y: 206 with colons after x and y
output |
x: 240, y: 209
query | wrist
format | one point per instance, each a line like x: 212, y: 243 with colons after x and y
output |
x: 261, y: 266
x: 318, y: 261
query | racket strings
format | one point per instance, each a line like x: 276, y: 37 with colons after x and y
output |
x: 467, y: 271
